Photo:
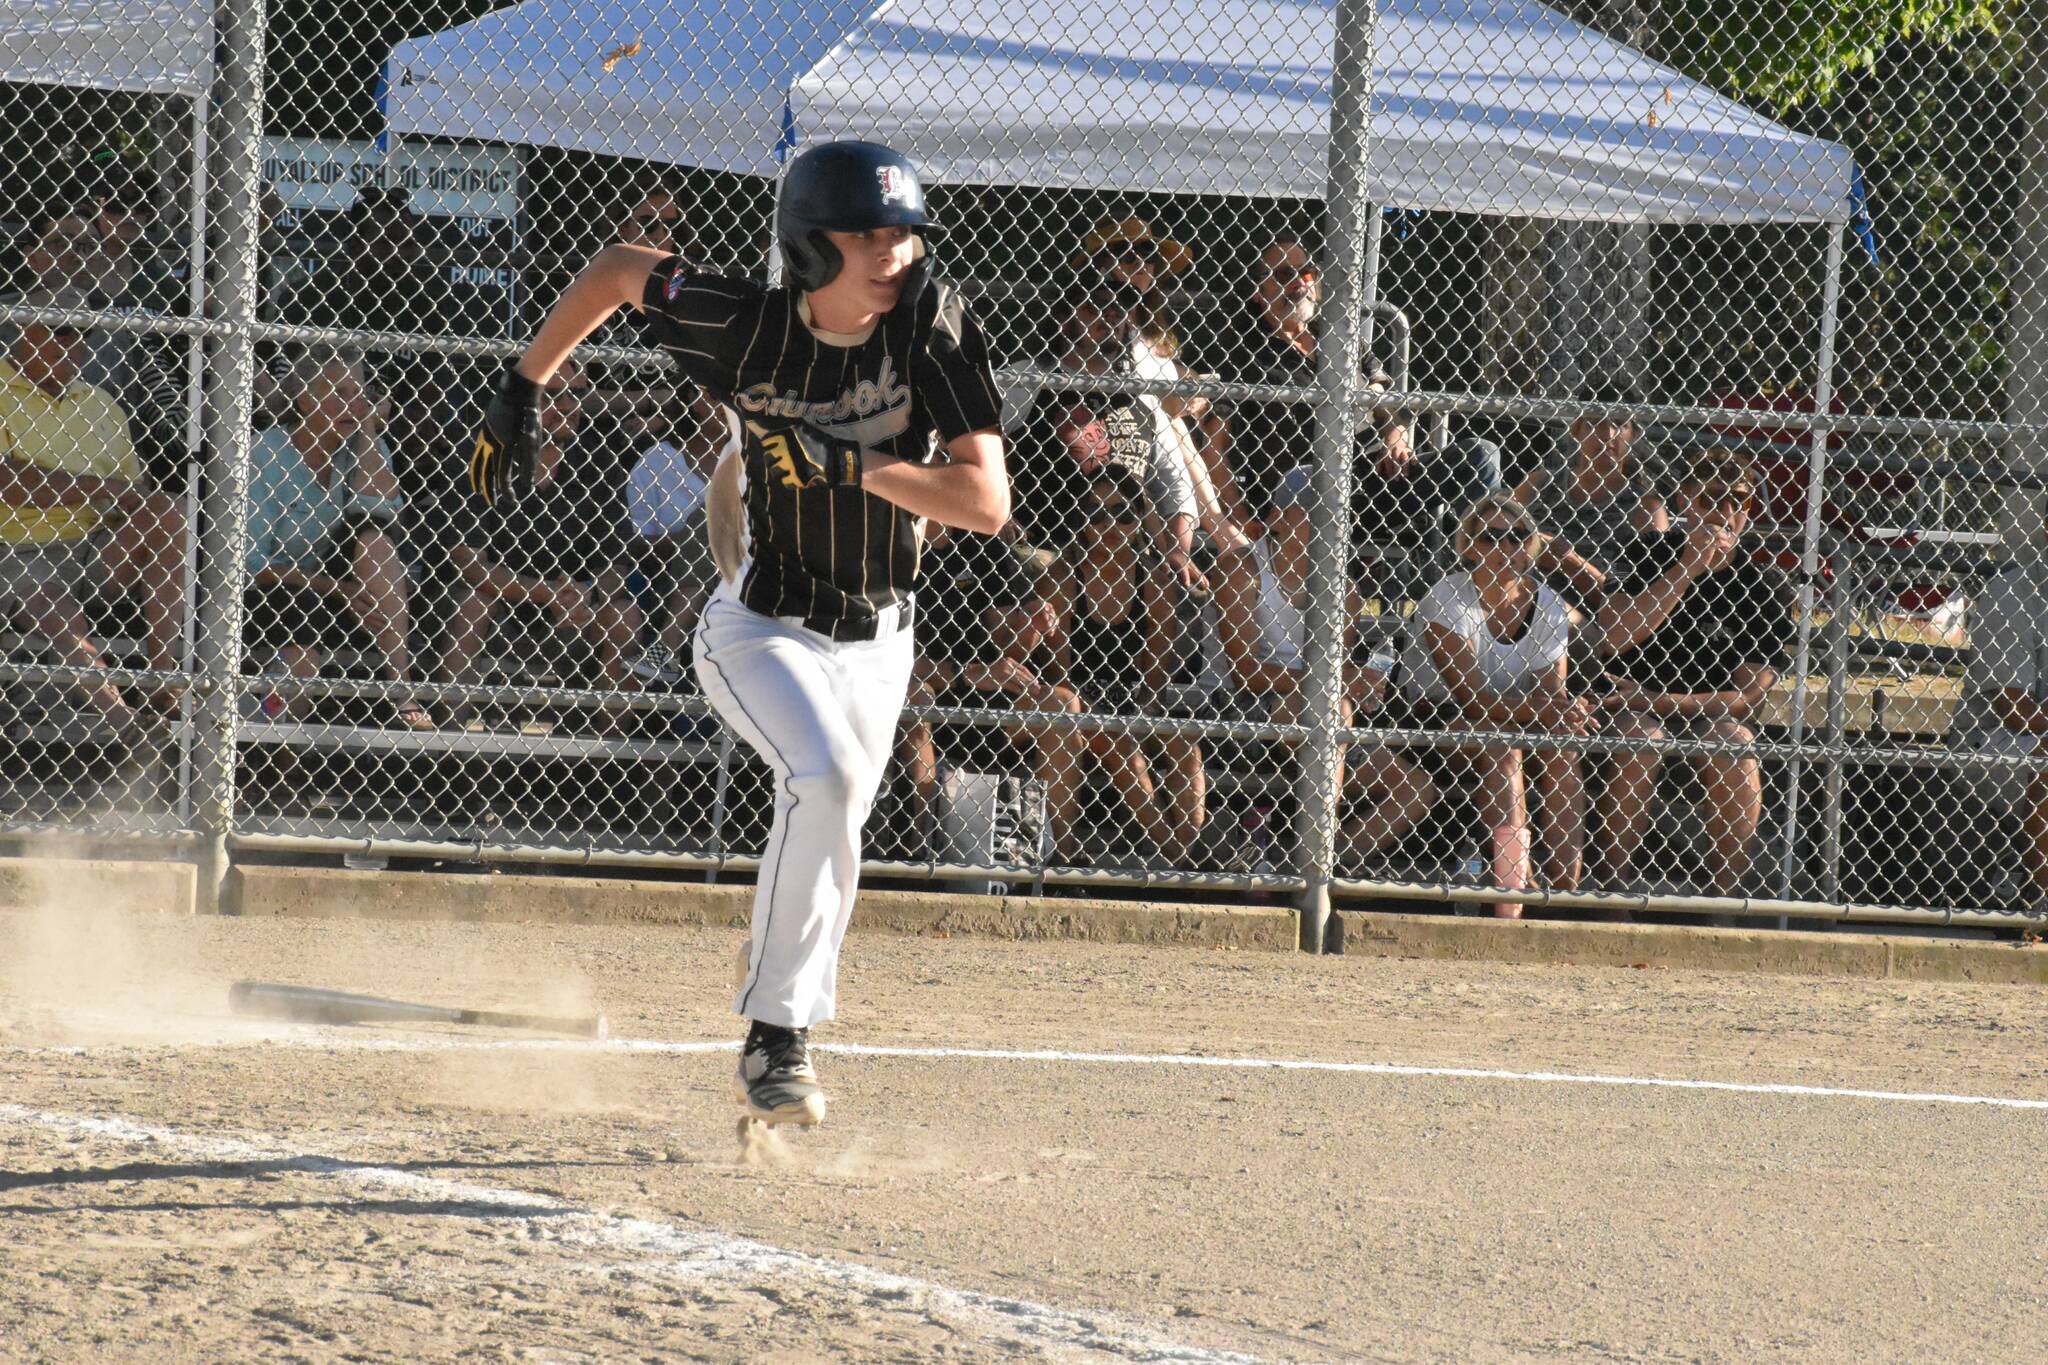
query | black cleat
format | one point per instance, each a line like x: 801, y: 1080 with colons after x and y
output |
x: 775, y: 1081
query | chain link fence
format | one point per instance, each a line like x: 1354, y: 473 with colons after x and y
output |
x: 1581, y: 457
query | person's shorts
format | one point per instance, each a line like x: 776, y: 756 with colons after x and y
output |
x: 2005, y: 788
x: 68, y: 567
x: 275, y: 615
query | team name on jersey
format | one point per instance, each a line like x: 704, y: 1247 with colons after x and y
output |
x: 883, y: 395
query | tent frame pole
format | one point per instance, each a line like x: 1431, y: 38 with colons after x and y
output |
x: 1809, y: 564
x: 1348, y: 292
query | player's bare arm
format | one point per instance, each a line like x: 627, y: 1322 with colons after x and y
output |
x: 970, y: 493
x: 616, y: 276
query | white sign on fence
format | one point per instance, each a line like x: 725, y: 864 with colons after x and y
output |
x: 446, y: 180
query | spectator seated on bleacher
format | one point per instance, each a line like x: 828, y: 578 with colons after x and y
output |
x: 79, y: 520
x: 93, y: 239
x: 1261, y: 594
x: 323, y: 559
x: 1113, y: 648
x: 1696, y: 633
x: 665, y: 505
x: 980, y: 620
x: 2004, y: 707
x: 562, y: 550
x: 1130, y: 254
x: 1487, y: 650
x: 988, y: 638
x: 1268, y: 335
x: 1072, y: 431
x: 1593, y: 509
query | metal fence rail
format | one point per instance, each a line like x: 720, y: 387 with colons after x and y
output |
x: 1759, y: 636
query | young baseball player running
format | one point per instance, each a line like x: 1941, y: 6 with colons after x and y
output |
x: 835, y: 385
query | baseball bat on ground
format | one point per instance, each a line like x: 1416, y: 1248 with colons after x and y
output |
x: 309, y: 1004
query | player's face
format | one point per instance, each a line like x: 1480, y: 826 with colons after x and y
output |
x: 871, y: 278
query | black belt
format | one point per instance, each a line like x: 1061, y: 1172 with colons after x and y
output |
x: 851, y: 629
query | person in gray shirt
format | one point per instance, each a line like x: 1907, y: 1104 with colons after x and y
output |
x: 1593, y: 509
x: 2004, y: 708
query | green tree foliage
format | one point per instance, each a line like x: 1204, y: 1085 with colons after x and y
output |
x: 1791, y: 52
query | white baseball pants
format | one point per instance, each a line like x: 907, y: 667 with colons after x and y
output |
x: 822, y: 715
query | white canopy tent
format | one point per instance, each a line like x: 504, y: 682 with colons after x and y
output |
x: 157, y: 47
x: 1479, y: 106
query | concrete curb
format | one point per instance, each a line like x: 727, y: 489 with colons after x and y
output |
x: 336, y: 893
x: 1780, y: 952
x: 37, y: 883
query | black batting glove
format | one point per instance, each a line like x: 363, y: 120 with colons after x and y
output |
x: 804, y: 456
x: 507, y: 445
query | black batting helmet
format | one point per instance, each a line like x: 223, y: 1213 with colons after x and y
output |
x: 844, y: 187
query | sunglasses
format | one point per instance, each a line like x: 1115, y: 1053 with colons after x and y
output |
x: 1284, y: 275
x: 1111, y: 513
x: 665, y: 219
x: 1499, y: 535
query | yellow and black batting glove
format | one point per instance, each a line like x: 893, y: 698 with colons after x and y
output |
x: 804, y: 456
x: 507, y: 443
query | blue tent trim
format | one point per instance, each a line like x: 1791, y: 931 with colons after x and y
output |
x: 380, y: 93
x: 1859, y: 217
x: 786, y: 144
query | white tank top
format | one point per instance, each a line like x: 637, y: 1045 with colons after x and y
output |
x: 1282, y: 632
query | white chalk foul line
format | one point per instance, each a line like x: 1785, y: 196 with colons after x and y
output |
x: 681, y: 1252
x: 341, y: 1042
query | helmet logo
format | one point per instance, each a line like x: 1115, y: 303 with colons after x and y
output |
x: 899, y: 186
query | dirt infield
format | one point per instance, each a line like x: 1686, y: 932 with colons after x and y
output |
x: 1468, y: 1169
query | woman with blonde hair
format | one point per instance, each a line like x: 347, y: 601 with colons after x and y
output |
x: 1487, y: 650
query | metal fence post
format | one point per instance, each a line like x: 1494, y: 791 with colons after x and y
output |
x: 1344, y: 302
x: 1809, y: 559
x: 230, y: 378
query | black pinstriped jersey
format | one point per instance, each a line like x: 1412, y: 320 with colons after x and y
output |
x: 827, y: 554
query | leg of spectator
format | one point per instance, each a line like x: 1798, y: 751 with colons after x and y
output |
x: 57, y: 617
x: 1060, y: 757
x: 1183, y: 786
x: 1735, y: 805
x: 1625, y: 803
x: 298, y: 661
x: 1210, y: 513
x: 144, y: 558
x: 378, y: 594
x: 1162, y: 632
x: 918, y: 755
x: 2035, y: 823
x: 1400, y: 794
x: 1123, y: 759
x: 469, y: 627
x: 615, y: 629
x: 1503, y: 804
x: 1561, y: 796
